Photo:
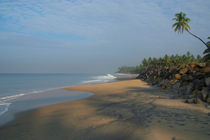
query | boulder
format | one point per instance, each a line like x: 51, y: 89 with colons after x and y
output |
x: 198, y: 94
x: 198, y: 84
x: 199, y: 75
x: 208, y: 100
x: 195, y: 92
x: 190, y: 81
x: 172, y: 82
x: 176, y: 86
x: 185, y: 90
x: 188, y: 78
x: 206, y: 69
x: 164, y: 83
x: 181, y: 90
x: 155, y: 77
x: 193, y: 66
x: 204, y: 93
x: 177, y: 76
x: 201, y: 65
x: 183, y: 70
x: 188, y: 89
x: 207, y: 81
x: 191, y: 101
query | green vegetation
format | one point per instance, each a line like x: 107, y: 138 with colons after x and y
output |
x: 181, y: 25
x: 172, y: 60
x: 126, y: 69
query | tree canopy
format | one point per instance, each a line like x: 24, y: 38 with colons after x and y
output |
x: 166, y: 60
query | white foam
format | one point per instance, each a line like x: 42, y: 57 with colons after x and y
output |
x: 121, y: 74
x: 6, y: 101
x: 7, y: 98
x: 4, y: 104
x: 101, y: 79
x: 5, y: 107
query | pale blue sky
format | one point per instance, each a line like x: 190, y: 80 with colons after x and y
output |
x: 94, y: 36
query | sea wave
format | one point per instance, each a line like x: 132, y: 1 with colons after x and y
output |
x: 4, y: 107
x: 101, y: 79
x: 11, y: 97
x: 6, y: 101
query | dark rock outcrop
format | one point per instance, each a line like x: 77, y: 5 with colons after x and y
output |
x: 191, y: 82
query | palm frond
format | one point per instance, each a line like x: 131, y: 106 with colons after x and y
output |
x: 175, y: 24
x: 177, y: 27
x: 207, y: 57
x: 206, y: 51
x: 174, y: 18
x: 188, y: 27
x: 182, y: 22
x: 187, y: 20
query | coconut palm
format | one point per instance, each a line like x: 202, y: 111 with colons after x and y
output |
x: 181, y: 25
x: 207, y: 51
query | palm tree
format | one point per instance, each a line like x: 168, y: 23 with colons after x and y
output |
x: 207, y: 51
x: 182, y: 24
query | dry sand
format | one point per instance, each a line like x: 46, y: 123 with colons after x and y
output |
x: 123, y: 110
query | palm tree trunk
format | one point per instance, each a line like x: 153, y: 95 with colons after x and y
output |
x: 198, y: 38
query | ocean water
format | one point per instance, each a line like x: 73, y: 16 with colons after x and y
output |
x: 21, y: 92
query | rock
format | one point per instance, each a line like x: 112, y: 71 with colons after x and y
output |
x: 191, y: 101
x: 188, y: 78
x: 191, y: 81
x: 198, y: 75
x: 208, y: 63
x: 204, y: 93
x: 198, y: 95
x: 176, y: 86
x: 158, y: 72
x: 208, y: 100
x: 173, y: 97
x: 155, y: 77
x: 177, y: 76
x: 199, y: 100
x: 198, y: 84
x: 185, y: 90
x: 195, y: 92
x: 206, y: 69
x: 207, y: 81
x: 182, y: 66
x: 193, y: 66
x: 184, y: 70
x: 201, y: 65
x: 172, y: 82
x: 181, y: 90
x: 188, y: 89
x: 164, y: 83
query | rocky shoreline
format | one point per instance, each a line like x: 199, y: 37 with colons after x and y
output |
x: 190, y: 82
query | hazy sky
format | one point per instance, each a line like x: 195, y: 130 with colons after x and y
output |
x: 94, y: 36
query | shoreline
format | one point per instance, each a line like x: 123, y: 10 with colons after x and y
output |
x: 35, y: 101
x: 128, y: 109
x: 10, y: 101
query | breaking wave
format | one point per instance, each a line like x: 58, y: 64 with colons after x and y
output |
x: 101, y: 79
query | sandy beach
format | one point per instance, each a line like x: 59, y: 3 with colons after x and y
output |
x: 122, y: 110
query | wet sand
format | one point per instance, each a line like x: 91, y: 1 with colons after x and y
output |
x: 122, y: 110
